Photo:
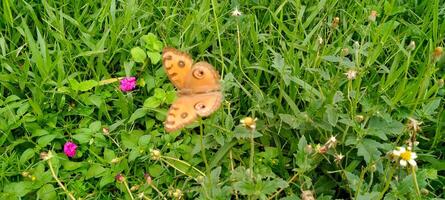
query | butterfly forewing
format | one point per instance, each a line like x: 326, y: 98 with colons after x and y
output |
x: 177, y: 65
x: 203, y: 78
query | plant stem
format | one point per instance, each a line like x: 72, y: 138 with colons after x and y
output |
x: 388, y: 182
x: 157, y: 190
x: 413, y: 170
x: 219, y: 39
x: 203, y: 153
x: 252, y: 152
x: 128, y: 189
x: 58, y: 181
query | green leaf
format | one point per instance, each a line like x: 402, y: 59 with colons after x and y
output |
x: 109, y: 155
x: 159, y: 93
x: 82, y: 138
x: 26, y: 155
x: 133, y: 155
x: 154, y: 57
x: 20, y: 189
x: 155, y: 170
x: 152, y: 102
x: 245, y: 187
x: 353, y: 180
x: 151, y: 42
x: 95, y: 126
x: 431, y: 106
x: 138, y: 54
x: 40, y: 132
x: 368, y: 149
x: 290, y: 120
x: 368, y: 196
x: 138, y: 113
x: 270, y: 186
x: 381, y: 127
x: 70, y: 165
x: 332, y: 115
x: 47, y: 192
x: 46, y: 139
x: 85, y: 85
x: 95, y: 171
x: 106, y: 179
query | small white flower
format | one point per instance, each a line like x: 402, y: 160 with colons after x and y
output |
x: 406, y: 156
x: 249, y: 122
x: 351, y: 74
x: 236, y: 13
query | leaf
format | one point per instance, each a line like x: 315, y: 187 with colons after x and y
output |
x: 40, y: 132
x: 45, y: 140
x: 290, y: 120
x: 109, y: 155
x: 47, y: 192
x: 431, y: 106
x: 95, y: 126
x: 82, y: 138
x: 245, y: 187
x: 133, y: 155
x: 368, y: 149
x: 138, y: 113
x: 152, y: 102
x: 271, y: 186
x: 332, y: 115
x: 86, y: 85
x: 106, y: 179
x: 154, y: 57
x: 155, y: 170
x: 138, y: 54
x: 151, y: 42
x: 26, y: 155
x: 368, y: 196
x: 353, y: 180
x: 95, y: 170
x: 70, y: 165
x: 380, y: 127
x: 20, y: 189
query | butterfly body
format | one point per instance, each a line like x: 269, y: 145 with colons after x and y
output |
x: 199, y: 90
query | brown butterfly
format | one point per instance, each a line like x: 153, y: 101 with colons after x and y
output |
x: 199, y: 90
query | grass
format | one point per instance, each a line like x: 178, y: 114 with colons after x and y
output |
x: 282, y: 62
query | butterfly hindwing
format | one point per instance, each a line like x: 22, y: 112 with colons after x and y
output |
x: 186, y: 109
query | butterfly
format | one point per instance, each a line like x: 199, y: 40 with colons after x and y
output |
x: 198, y: 89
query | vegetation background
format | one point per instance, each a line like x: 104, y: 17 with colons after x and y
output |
x: 367, y: 73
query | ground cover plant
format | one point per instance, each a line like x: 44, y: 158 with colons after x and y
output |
x: 322, y: 100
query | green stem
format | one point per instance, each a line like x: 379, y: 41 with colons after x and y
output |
x: 387, y: 184
x: 219, y: 39
x: 413, y: 170
x: 53, y: 173
x: 128, y: 190
x: 252, y: 152
x: 203, y: 153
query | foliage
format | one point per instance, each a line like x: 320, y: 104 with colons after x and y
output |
x: 282, y: 62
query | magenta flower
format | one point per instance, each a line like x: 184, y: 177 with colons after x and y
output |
x: 70, y: 149
x: 128, y: 84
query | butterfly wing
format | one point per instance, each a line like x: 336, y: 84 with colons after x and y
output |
x: 202, y: 78
x: 177, y: 64
x: 187, y: 108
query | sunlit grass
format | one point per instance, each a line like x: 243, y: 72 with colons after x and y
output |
x: 335, y: 87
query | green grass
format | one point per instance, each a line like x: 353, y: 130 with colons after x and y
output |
x: 280, y: 61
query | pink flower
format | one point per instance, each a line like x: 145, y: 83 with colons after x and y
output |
x: 128, y: 84
x: 70, y: 149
